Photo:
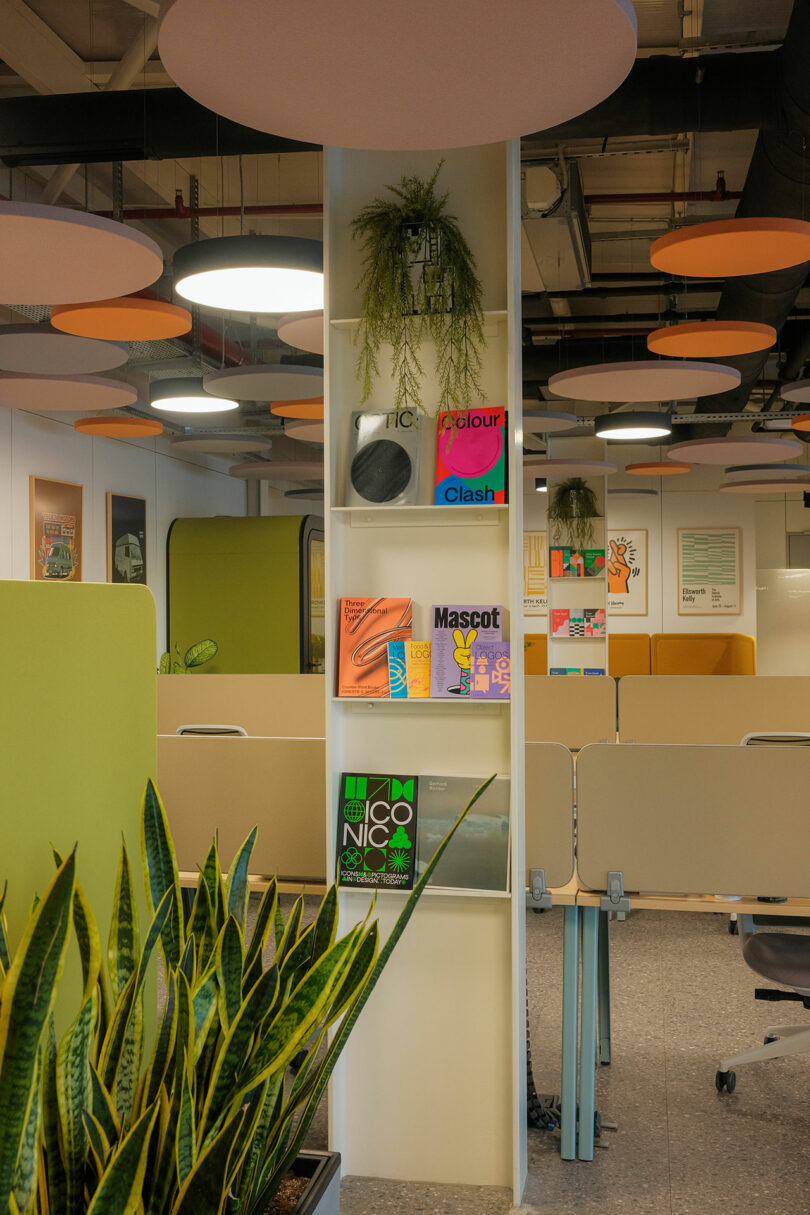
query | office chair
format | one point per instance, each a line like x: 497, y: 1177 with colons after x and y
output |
x: 781, y: 957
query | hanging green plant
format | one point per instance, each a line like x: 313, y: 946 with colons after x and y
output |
x: 419, y: 280
x: 571, y: 512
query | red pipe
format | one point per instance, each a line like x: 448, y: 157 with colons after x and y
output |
x: 665, y: 196
x: 181, y: 211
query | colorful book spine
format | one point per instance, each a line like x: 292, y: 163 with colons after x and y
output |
x: 560, y: 622
x: 471, y: 465
x: 594, y: 670
x: 566, y: 671
x: 397, y: 673
x: 417, y: 665
x: 376, y: 830
x: 365, y: 628
x: 455, y: 627
x: 490, y: 670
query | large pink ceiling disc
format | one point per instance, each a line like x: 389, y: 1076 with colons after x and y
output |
x: 63, y: 393
x: 648, y: 380
x: 378, y: 74
x: 52, y: 255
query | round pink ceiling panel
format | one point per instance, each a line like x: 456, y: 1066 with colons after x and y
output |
x: 646, y: 380
x: 380, y: 74
x: 63, y: 393
x: 735, y: 449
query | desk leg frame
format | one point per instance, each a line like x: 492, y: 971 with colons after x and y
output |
x: 604, y: 986
x: 587, y: 1056
x: 568, y: 1095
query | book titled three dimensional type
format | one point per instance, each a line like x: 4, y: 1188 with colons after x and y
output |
x: 376, y: 830
x: 454, y: 629
x: 365, y: 628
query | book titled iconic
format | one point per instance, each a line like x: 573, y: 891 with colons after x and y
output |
x: 383, y: 457
x: 455, y: 627
x: 365, y: 628
x: 397, y: 674
x: 490, y: 670
x: 417, y: 666
x: 376, y: 830
x: 471, y: 464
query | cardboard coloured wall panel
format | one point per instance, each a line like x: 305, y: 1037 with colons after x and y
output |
x: 271, y: 706
x: 550, y: 811
x: 711, y: 708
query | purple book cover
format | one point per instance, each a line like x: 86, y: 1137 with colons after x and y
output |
x: 454, y: 630
x: 490, y: 670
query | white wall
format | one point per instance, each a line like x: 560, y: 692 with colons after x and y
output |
x: 31, y: 444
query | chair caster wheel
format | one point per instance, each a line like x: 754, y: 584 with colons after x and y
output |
x: 769, y: 1038
x: 733, y: 928
x: 725, y: 1080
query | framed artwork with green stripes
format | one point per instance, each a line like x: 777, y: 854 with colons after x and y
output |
x: 709, y: 571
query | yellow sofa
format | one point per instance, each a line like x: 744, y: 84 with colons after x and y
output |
x: 703, y: 654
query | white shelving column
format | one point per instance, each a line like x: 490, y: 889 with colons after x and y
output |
x: 432, y: 1084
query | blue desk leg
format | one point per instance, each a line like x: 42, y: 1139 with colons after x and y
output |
x: 604, y: 987
x: 568, y: 1095
x: 587, y: 1030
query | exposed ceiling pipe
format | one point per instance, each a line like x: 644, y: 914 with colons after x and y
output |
x: 181, y: 211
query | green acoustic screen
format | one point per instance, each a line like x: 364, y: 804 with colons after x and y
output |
x: 239, y: 581
x: 77, y: 743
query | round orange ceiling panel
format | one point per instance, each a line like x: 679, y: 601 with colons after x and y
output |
x: 118, y: 428
x: 125, y: 319
x: 305, y: 408
x: 711, y: 339
x: 801, y: 423
x: 727, y: 248
x: 658, y: 468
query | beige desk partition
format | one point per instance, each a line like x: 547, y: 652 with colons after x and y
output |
x: 232, y: 784
x: 570, y: 709
x: 695, y: 819
x: 271, y: 706
x: 550, y: 811
x: 711, y: 708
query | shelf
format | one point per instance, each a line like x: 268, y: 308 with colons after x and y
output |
x: 442, y: 892
x: 553, y: 637
x: 483, y: 514
x: 577, y: 579
x: 370, y: 702
x: 351, y: 322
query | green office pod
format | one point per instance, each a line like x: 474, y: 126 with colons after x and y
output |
x: 253, y: 585
x: 78, y: 725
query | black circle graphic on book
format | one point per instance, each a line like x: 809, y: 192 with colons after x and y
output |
x: 381, y: 470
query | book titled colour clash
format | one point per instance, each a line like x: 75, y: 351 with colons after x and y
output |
x: 471, y: 462
x: 365, y: 628
x: 454, y: 629
x: 376, y: 830
x: 417, y: 665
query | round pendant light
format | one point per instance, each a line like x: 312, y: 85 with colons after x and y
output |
x: 304, y: 330
x: 63, y: 393
x: 727, y: 248
x: 768, y: 472
x: 480, y: 74
x: 265, y: 382
x: 736, y: 450
x: 118, y: 428
x: 560, y: 469
x: 52, y: 255
x: 223, y: 444
x: 711, y: 339
x: 798, y: 391
x: 541, y: 485
x: 280, y: 470
x: 636, y: 424
x: 311, y: 495
x: 632, y: 493
x: 43, y: 350
x: 251, y: 273
x: 186, y: 394
x: 308, y: 432
x: 779, y: 486
x: 547, y: 421
x: 658, y: 380
x: 304, y: 407
x: 127, y: 319
x: 658, y: 468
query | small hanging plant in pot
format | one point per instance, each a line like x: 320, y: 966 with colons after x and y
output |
x: 419, y: 280
x: 571, y: 512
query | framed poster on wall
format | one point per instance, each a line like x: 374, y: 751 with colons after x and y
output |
x: 55, y: 520
x: 709, y: 571
x: 126, y: 538
x: 627, y: 572
x: 535, y: 573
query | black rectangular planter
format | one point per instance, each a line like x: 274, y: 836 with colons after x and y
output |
x: 322, y: 1195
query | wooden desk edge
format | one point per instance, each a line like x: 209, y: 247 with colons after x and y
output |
x: 699, y: 902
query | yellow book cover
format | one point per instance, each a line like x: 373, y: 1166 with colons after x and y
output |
x: 417, y: 662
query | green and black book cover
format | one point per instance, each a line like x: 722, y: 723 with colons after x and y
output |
x: 376, y: 830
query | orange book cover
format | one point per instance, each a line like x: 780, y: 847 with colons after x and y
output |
x: 365, y: 628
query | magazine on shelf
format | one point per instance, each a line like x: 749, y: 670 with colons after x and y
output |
x: 417, y: 665
x: 478, y: 858
x: 397, y: 675
x: 365, y: 628
x: 595, y: 622
x: 566, y: 671
x: 377, y: 830
x: 560, y: 622
x: 383, y: 466
x: 490, y: 670
x: 471, y: 457
x: 454, y: 629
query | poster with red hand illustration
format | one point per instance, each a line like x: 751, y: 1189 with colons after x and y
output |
x: 627, y: 572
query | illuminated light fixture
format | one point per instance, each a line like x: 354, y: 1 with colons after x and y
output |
x: 372, y: 93
x: 736, y: 449
x: 646, y: 380
x: 303, y: 330
x: 540, y: 485
x: 251, y: 273
x: 309, y: 408
x: 798, y: 391
x: 118, y: 428
x: 125, y: 319
x: 658, y: 468
x: 635, y: 424
x: 711, y: 339
x: 186, y: 394
x: 727, y: 248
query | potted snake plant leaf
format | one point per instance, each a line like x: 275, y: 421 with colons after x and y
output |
x: 208, y: 1118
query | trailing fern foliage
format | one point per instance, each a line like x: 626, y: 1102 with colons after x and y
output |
x: 571, y: 512
x: 419, y: 280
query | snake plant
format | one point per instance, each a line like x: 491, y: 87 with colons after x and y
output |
x: 208, y: 1117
